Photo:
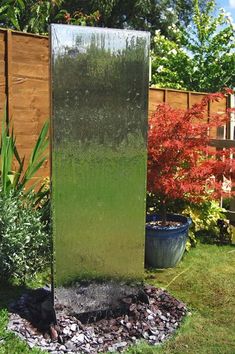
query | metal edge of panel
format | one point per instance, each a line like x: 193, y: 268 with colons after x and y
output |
x: 50, y: 167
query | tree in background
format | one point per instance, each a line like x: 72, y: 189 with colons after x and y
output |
x: 28, y: 15
x: 201, y: 58
x: 136, y: 14
x: 34, y: 16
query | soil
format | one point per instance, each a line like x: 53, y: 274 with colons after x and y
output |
x: 169, y: 224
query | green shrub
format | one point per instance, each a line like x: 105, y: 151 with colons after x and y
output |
x: 209, y: 223
x: 24, y: 243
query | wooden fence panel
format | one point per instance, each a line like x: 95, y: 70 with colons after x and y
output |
x: 156, y: 96
x: 177, y: 99
x: 2, y: 73
x: 24, y: 80
x: 184, y: 100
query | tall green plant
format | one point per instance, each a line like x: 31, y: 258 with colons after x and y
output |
x: 16, y: 179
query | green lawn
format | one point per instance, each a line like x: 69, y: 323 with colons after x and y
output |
x: 204, y: 280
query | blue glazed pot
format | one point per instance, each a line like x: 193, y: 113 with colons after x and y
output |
x: 164, y: 245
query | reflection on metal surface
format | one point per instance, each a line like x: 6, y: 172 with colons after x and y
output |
x: 99, y: 98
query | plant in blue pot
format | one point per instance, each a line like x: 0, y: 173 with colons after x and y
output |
x: 181, y: 166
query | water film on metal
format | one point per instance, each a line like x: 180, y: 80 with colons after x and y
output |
x: 99, y: 127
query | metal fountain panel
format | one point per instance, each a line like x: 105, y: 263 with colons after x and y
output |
x: 99, y: 127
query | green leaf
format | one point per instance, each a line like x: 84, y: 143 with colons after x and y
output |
x: 17, y: 180
x: 21, y: 4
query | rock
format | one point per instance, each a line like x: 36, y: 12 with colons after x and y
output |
x: 154, y: 331
x: 74, y: 339
x: 66, y: 331
x: 145, y: 335
x: 52, y: 348
x: 89, y: 331
x: 111, y: 349
x: 158, y: 312
x: 46, y: 335
x: 70, y: 345
x: 163, y: 318
x: 132, y: 307
x: 181, y: 306
x: 73, y: 327
x: 121, y: 344
x: 53, y: 333
x: 60, y: 339
x: 153, y: 338
x: 81, y: 337
x: 62, y: 347
x: 44, y: 343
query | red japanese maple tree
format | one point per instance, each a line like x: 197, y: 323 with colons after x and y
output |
x: 181, y: 163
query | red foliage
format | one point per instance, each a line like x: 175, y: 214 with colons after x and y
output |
x: 181, y: 164
x: 67, y: 17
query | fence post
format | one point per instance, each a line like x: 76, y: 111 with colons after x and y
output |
x: 9, y: 106
x: 189, y: 103
x: 165, y: 96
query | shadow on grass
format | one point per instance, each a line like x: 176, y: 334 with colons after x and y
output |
x: 10, y: 292
x: 152, y: 273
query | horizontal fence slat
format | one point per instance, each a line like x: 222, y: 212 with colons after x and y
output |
x: 222, y: 143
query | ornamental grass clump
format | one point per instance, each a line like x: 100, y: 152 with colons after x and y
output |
x: 14, y: 174
x: 181, y: 163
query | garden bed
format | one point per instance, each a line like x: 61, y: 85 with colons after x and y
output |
x: 153, y: 316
